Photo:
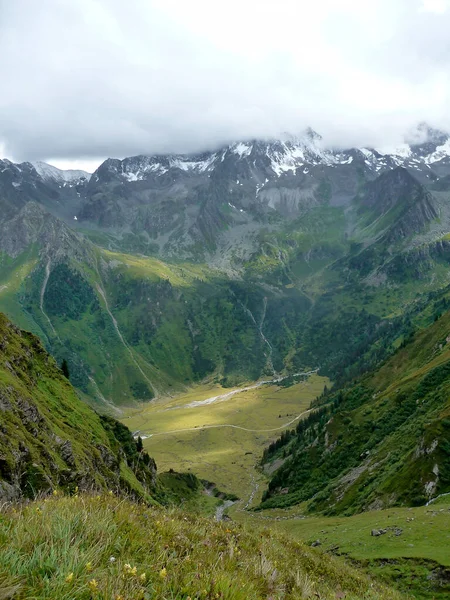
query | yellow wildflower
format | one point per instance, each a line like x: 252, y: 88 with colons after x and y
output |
x: 111, y: 493
x: 69, y: 577
x: 163, y: 573
x: 38, y: 510
x: 143, y: 577
x: 55, y: 492
x: 89, y: 567
x: 93, y: 585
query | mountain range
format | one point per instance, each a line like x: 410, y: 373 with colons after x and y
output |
x: 157, y: 271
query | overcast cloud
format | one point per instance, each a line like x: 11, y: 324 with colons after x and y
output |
x: 86, y: 79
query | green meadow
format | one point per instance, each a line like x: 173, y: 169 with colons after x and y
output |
x: 413, y: 554
x: 221, y: 441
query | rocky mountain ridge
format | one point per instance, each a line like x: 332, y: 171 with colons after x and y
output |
x: 173, y: 204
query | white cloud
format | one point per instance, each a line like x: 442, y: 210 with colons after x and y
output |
x: 97, y: 78
x: 437, y: 6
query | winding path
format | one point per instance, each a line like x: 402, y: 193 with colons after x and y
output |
x: 201, y: 427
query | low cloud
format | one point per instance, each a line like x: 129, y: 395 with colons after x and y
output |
x: 97, y: 78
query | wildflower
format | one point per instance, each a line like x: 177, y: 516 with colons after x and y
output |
x: 111, y: 493
x: 93, y: 585
x: 89, y: 567
x: 69, y: 578
x: 55, y: 492
x: 119, y: 597
x: 143, y: 577
x: 163, y: 573
x: 112, y: 559
x: 129, y: 570
x: 38, y: 510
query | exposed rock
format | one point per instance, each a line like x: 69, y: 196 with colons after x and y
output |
x: 378, y: 532
x: 66, y: 452
x: 29, y: 412
x: 9, y: 492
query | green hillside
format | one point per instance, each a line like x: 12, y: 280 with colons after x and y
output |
x: 49, y: 438
x: 103, y: 547
x: 382, y: 441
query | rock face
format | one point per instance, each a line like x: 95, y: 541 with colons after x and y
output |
x: 198, y: 205
x: 401, y: 200
x: 181, y: 201
x: 49, y: 438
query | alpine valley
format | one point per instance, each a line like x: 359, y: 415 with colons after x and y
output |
x: 271, y: 316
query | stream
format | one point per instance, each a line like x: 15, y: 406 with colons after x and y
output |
x: 222, y: 508
x: 223, y: 397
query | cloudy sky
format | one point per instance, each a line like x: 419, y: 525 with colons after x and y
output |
x: 86, y: 79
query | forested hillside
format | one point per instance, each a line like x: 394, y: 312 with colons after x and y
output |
x: 383, y: 440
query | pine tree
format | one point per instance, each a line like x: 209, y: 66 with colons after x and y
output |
x: 65, y: 368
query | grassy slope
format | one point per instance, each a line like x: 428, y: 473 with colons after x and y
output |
x: 62, y: 548
x: 177, y: 323
x: 50, y: 438
x: 416, y: 561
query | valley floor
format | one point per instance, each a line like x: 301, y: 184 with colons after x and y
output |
x: 220, y: 434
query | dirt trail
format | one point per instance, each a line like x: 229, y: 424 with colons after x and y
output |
x: 144, y: 435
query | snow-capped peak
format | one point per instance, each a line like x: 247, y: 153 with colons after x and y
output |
x: 402, y: 150
x: 47, y: 171
x: 242, y: 149
x: 442, y: 151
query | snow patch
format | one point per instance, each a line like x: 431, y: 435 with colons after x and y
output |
x: 242, y: 149
x: 402, y: 151
x: 47, y: 171
x: 193, y: 165
x: 440, y: 153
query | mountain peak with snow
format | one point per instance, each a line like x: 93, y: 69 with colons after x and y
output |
x: 49, y: 172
